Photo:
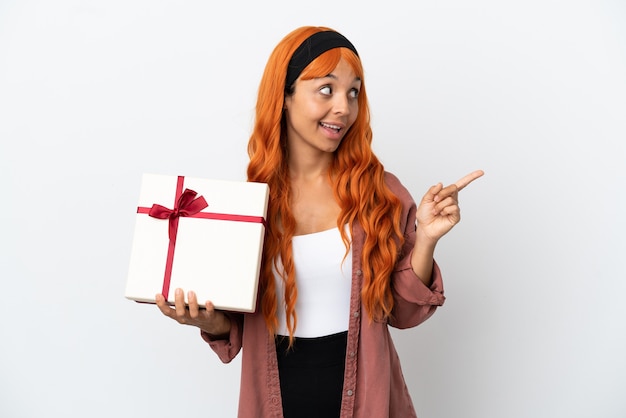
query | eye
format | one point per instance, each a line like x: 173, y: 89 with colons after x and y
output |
x: 354, y: 93
x: 326, y: 90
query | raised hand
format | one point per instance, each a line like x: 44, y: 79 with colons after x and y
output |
x: 439, y: 212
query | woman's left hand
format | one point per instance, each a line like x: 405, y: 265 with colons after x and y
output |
x: 439, y: 211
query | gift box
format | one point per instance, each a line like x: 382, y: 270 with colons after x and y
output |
x: 198, y: 234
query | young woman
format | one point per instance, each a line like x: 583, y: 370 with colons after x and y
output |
x: 347, y: 251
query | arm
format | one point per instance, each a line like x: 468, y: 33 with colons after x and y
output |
x: 416, y: 282
x: 221, y: 330
x: 416, y: 295
x: 227, y: 346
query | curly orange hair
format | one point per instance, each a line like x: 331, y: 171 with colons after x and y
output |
x: 358, y: 181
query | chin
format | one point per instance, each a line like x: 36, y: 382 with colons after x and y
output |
x: 331, y: 149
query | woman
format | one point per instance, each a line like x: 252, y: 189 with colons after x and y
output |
x: 347, y: 251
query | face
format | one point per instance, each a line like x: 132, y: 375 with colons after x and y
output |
x: 321, y: 110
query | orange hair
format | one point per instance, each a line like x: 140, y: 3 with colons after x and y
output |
x: 358, y: 181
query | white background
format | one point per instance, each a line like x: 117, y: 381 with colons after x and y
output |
x: 94, y: 93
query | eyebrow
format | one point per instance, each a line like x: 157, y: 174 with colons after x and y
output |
x: 334, y: 77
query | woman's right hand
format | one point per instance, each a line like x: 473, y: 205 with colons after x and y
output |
x: 213, y: 322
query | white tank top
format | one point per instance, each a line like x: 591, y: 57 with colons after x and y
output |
x: 323, y: 279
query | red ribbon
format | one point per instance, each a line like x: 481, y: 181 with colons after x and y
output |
x: 186, y: 205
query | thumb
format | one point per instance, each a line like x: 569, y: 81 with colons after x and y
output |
x: 429, y: 197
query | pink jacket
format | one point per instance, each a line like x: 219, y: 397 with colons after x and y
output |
x: 374, y: 386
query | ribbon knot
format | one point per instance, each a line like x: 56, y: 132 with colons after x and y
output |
x: 186, y: 205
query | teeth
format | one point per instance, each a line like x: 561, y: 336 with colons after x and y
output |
x: 335, y: 127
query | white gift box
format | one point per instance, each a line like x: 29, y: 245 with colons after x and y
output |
x: 215, y: 252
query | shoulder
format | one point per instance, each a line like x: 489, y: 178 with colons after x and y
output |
x: 391, y: 180
x: 396, y: 187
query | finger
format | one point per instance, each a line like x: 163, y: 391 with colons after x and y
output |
x: 462, y: 183
x: 210, y: 308
x: 446, y: 203
x: 193, y: 304
x: 453, y: 212
x: 163, y: 306
x: 179, y: 303
x: 431, y: 194
x: 446, y: 192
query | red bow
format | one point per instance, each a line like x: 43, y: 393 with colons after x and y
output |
x: 187, y: 205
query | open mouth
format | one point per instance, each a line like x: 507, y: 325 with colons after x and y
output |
x: 329, y: 126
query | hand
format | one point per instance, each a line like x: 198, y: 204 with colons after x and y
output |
x: 439, y: 211
x: 209, y: 320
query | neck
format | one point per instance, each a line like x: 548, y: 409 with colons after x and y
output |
x: 309, y: 167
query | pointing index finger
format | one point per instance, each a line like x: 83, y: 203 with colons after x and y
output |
x: 462, y: 183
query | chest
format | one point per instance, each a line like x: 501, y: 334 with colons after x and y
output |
x: 314, y: 208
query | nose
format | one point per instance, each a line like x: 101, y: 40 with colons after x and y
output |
x: 341, y: 104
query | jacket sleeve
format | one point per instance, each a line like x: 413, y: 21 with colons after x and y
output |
x: 414, y: 302
x: 227, y: 349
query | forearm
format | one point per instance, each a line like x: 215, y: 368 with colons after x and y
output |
x: 227, y: 346
x: 422, y: 258
x: 220, y: 329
